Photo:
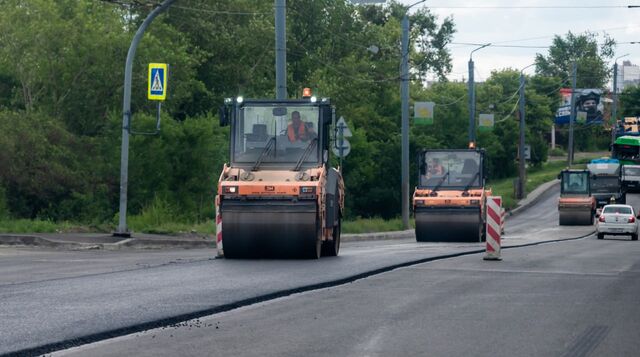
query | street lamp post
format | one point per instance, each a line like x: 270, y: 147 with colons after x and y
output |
x: 404, y: 98
x: 472, y: 99
x: 126, y: 118
x: 614, y: 109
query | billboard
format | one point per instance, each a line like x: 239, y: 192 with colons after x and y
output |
x: 589, y: 107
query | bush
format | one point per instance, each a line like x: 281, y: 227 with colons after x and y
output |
x: 154, y: 215
x: 558, y: 151
x: 4, y: 210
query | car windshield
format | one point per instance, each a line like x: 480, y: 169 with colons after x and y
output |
x: 617, y: 209
x: 604, y: 184
x: 632, y: 171
x: 275, y: 134
x: 575, y: 182
x: 451, y: 169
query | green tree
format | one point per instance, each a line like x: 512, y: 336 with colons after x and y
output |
x: 67, y: 59
x: 583, y: 49
x: 629, y: 101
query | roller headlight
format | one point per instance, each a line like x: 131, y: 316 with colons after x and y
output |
x: 230, y: 190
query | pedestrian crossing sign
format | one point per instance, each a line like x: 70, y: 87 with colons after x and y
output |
x: 157, y: 81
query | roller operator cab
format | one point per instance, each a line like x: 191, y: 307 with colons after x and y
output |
x: 278, y: 197
x: 449, y: 202
x: 576, y: 206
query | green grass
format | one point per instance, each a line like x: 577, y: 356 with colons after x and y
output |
x: 22, y: 226
x: 370, y: 225
x: 160, y: 218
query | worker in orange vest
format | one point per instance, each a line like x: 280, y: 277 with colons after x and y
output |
x: 297, y: 130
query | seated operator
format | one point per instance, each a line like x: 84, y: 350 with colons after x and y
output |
x: 435, y: 168
x: 297, y: 130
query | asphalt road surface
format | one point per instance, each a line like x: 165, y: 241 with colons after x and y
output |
x: 51, y: 300
x: 574, y: 298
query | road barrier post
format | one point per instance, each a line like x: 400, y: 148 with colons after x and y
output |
x: 502, y: 219
x: 219, y: 228
x: 494, y: 223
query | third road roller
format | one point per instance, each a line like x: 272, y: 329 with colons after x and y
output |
x: 576, y: 205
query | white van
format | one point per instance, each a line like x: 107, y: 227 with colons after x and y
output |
x: 631, y: 178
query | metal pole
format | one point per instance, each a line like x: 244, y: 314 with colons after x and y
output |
x: 472, y: 99
x: 614, y: 110
x: 404, y: 95
x: 472, y: 105
x: 521, y: 167
x: 126, y: 118
x: 341, y: 140
x: 281, y: 49
x: 573, y: 112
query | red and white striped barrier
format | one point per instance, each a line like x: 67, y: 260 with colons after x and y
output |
x: 219, y: 228
x: 494, y: 224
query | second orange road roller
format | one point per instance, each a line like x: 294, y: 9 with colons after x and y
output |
x: 279, y: 197
x: 576, y: 205
x: 450, y: 199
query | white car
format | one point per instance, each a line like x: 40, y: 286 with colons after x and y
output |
x: 617, y: 220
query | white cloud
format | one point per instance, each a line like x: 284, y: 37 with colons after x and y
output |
x: 508, y: 24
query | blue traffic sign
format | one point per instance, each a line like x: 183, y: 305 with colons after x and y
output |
x: 157, y: 88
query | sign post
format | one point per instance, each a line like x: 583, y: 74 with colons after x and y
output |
x: 342, y: 146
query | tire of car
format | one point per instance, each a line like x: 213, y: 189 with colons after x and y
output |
x: 634, y: 236
x: 600, y: 235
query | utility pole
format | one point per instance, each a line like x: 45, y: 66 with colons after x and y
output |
x: 614, y: 109
x: 404, y: 96
x: 122, y: 230
x: 522, y: 173
x: 404, y: 108
x: 472, y: 99
x: 521, y: 163
x: 472, y: 105
x: 573, y: 112
x: 281, y: 49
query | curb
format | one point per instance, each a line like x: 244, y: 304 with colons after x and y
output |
x: 534, y: 197
x: 31, y: 240
x: 131, y: 243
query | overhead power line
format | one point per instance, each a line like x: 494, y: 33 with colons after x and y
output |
x: 505, y: 46
x: 494, y: 43
x: 219, y: 12
x: 577, y: 7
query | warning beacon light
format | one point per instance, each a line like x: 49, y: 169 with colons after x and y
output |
x: 306, y: 92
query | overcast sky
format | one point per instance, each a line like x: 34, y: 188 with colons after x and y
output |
x: 530, y: 27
